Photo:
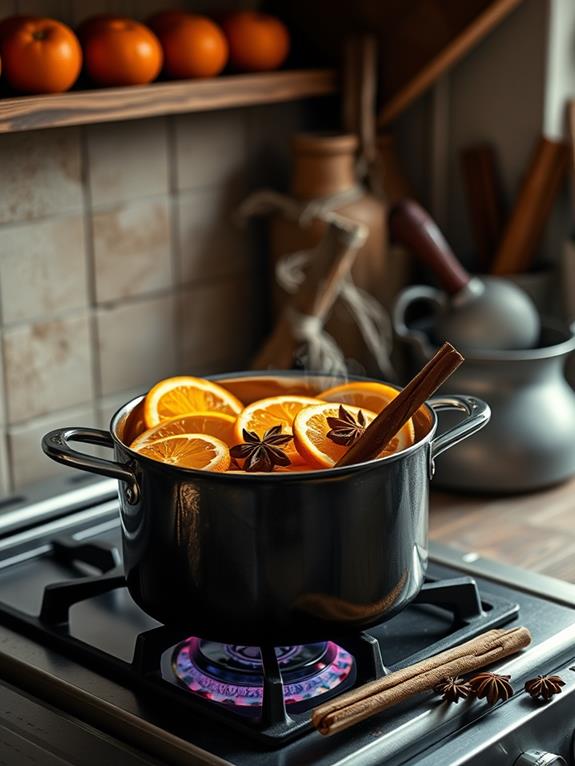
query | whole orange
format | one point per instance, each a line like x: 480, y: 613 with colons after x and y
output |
x: 85, y: 28
x: 258, y: 42
x: 122, y: 52
x: 163, y: 20
x: 193, y: 47
x: 10, y: 23
x: 41, y: 56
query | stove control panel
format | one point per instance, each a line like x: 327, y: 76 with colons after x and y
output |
x: 539, y: 758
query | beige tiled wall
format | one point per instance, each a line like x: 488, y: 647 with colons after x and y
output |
x: 119, y: 260
x: 119, y: 265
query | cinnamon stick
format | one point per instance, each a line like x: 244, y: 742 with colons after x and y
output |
x: 374, y: 697
x: 389, y: 421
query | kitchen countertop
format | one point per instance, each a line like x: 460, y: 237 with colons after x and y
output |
x: 535, y: 531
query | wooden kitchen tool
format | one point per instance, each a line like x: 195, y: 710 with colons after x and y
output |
x: 392, y: 179
x: 359, y: 85
x: 331, y: 263
x: 484, y: 200
x: 427, y: 40
x: 536, y: 197
x: 357, y: 705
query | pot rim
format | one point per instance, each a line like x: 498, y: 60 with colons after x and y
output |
x: 313, y: 474
x: 561, y: 348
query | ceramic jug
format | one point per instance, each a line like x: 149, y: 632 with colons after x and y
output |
x: 325, y: 179
x: 530, y: 441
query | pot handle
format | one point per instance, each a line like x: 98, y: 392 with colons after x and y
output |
x: 478, y: 415
x: 56, y: 445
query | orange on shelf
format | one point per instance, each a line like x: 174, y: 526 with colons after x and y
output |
x: 40, y: 55
x: 193, y: 47
x: 257, y: 42
x: 10, y: 24
x: 94, y: 24
x: 163, y: 20
x: 121, y: 51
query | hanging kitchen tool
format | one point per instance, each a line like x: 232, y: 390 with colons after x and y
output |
x: 359, y: 88
x: 299, y: 332
x: 484, y: 200
x: 538, y: 192
x: 472, y: 313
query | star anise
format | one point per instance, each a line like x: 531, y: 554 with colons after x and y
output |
x: 453, y: 689
x: 265, y: 453
x: 491, y: 686
x: 345, y: 429
x: 544, y: 687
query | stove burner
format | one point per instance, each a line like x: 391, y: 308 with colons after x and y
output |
x: 231, y: 674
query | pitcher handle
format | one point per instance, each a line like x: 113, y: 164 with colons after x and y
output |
x: 405, y: 300
x: 478, y: 414
x: 56, y: 445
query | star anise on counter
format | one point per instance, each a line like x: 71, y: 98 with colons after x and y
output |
x: 453, y: 689
x: 492, y: 686
x: 544, y: 687
x: 262, y: 454
x: 345, y: 429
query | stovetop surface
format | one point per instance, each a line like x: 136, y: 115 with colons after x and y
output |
x: 112, y: 622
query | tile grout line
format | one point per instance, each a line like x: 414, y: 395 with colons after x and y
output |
x: 90, y: 266
x: 108, y: 207
x: 175, y: 252
x: 6, y: 468
x: 132, y: 300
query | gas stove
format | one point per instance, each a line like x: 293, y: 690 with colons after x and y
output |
x: 87, y: 678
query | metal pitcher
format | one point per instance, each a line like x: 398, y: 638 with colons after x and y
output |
x: 530, y: 441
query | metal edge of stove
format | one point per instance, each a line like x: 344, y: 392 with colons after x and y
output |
x: 534, y: 583
x: 102, y: 713
x: 54, y: 497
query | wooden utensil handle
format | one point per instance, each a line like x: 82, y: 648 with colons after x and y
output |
x: 484, y: 199
x: 413, y: 227
x: 532, y: 208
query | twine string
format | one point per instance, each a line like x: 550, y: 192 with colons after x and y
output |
x: 370, y: 317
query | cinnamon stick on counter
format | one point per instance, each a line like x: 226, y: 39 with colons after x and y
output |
x: 372, y: 698
x: 389, y: 421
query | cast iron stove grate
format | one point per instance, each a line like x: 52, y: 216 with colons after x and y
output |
x: 149, y: 670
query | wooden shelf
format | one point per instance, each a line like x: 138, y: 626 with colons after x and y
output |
x: 111, y: 104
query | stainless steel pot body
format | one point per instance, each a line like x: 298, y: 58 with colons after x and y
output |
x: 530, y: 442
x: 280, y: 558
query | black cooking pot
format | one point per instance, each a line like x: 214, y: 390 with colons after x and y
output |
x: 275, y: 558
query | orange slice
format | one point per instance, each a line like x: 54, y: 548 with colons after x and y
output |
x: 273, y: 411
x: 217, y: 424
x: 189, y: 451
x: 311, y: 440
x: 184, y: 395
x: 368, y: 394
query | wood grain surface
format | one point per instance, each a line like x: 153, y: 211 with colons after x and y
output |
x: 535, y: 531
x: 129, y: 103
x: 430, y: 40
